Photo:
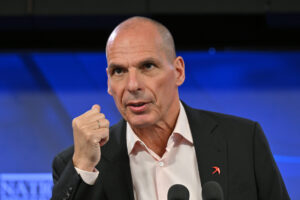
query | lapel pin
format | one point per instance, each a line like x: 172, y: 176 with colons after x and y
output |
x: 216, y: 170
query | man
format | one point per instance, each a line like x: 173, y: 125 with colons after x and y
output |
x: 160, y: 141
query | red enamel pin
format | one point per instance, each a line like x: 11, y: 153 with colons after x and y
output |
x: 216, y: 170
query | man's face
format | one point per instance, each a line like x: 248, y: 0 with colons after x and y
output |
x: 142, y: 79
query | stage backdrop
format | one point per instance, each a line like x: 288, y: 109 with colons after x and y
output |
x: 40, y: 93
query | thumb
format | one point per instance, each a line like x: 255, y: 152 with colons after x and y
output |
x: 96, y: 107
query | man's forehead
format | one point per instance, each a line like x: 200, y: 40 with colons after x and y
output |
x: 131, y: 47
x: 134, y: 44
x: 133, y: 38
x: 136, y: 33
x: 133, y: 58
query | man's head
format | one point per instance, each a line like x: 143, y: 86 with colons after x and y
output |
x: 144, y: 72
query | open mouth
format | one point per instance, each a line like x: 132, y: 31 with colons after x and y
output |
x: 137, y: 107
x: 136, y: 104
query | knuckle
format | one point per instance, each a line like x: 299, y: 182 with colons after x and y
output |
x: 105, y: 123
x: 102, y: 132
x: 101, y: 115
x: 84, y: 128
x: 106, y: 131
x: 94, y: 111
x: 95, y: 140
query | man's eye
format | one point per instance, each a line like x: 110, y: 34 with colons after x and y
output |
x: 148, y: 66
x: 117, y: 71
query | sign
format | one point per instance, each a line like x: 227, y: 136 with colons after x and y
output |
x: 35, y: 186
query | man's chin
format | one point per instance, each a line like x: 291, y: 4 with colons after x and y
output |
x: 138, y: 122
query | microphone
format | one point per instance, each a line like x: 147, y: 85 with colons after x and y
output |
x: 178, y: 192
x: 212, y: 191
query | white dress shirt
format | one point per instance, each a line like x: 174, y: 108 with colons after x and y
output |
x: 152, y: 175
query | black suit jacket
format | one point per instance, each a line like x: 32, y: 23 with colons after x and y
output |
x: 237, y: 146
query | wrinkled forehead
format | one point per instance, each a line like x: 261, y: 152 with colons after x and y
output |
x: 135, y: 56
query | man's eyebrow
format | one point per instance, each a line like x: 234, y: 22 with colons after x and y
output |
x: 114, y: 65
x: 147, y: 61
x: 140, y: 63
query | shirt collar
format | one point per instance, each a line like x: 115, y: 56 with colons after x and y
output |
x: 182, y: 128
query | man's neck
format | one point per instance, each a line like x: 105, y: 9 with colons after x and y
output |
x: 156, y: 137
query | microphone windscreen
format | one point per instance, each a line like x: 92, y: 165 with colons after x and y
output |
x: 212, y: 191
x: 178, y: 192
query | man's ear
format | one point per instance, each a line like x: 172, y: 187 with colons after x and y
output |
x: 108, y: 90
x: 108, y: 83
x: 179, y: 70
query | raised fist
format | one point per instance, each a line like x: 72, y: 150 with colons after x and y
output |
x: 90, y: 132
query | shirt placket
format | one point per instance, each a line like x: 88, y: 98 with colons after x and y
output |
x: 162, y: 180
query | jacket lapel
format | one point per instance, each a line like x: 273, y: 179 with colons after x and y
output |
x: 116, y: 161
x: 210, y: 146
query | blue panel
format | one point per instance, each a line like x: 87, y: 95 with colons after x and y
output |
x: 14, y: 75
x: 242, y: 70
x: 29, y: 116
x: 40, y: 93
x: 79, y: 80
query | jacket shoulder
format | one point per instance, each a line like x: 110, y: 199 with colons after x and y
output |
x: 216, y: 116
x: 229, y: 125
x: 227, y: 118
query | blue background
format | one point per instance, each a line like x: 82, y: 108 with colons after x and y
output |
x: 40, y: 93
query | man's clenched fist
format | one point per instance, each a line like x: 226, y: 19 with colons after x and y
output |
x: 90, y: 131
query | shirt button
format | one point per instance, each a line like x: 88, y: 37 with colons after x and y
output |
x: 161, y: 163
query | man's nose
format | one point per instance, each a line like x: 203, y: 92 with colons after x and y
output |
x: 133, y: 84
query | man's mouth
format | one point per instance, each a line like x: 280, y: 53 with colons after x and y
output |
x: 137, y: 107
x: 136, y: 104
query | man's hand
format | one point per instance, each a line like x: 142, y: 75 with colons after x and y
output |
x: 90, y: 131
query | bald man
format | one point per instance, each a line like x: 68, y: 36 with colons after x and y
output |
x: 160, y: 141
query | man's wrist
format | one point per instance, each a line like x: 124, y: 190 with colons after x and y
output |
x: 83, y: 165
x: 87, y: 176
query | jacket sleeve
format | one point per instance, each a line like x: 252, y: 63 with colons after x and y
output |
x: 270, y: 184
x: 68, y: 185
